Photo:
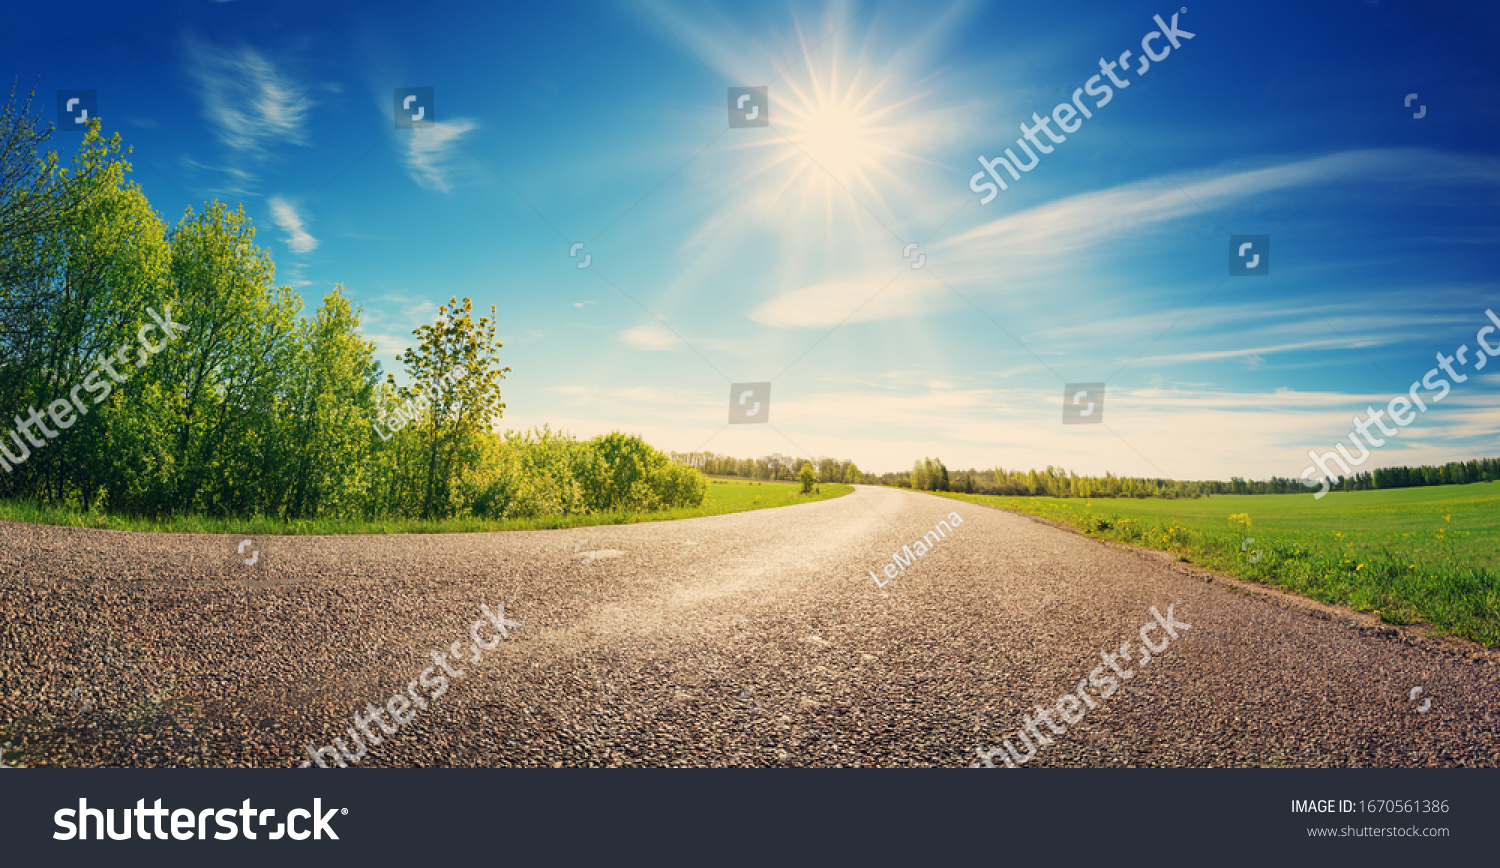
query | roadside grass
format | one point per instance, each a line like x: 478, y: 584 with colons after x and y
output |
x: 1408, y: 555
x: 724, y: 496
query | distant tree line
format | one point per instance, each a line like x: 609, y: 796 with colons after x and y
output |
x: 930, y: 474
x: 773, y: 467
x: 1452, y: 473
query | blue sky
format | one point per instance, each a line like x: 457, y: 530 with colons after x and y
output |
x: 775, y: 253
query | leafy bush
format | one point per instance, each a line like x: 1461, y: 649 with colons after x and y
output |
x: 543, y: 472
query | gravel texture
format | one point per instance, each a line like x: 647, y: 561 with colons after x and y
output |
x: 754, y: 639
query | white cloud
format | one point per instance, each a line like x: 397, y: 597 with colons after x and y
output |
x: 1252, y: 354
x: 429, y: 152
x: 658, y: 338
x: 248, y: 100
x: 1087, y: 219
x: 294, y: 277
x: 651, y: 336
x: 238, y: 182
x: 1030, y: 243
x: 390, y: 325
x: 290, y: 222
x: 875, y: 296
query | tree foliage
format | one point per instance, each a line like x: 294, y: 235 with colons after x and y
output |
x: 455, y: 373
x: 247, y: 406
x: 807, y: 477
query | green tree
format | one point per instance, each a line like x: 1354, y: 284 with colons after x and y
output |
x: 919, y: 481
x: 30, y: 207
x: 323, y: 433
x: 200, y: 420
x: 929, y: 475
x: 807, y: 477
x: 93, y: 269
x: 455, y: 373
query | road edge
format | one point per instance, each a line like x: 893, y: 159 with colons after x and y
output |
x: 1421, y: 635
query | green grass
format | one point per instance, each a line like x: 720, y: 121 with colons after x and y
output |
x: 724, y: 496
x: 1411, y: 555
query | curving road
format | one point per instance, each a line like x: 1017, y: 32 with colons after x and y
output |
x: 755, y: 639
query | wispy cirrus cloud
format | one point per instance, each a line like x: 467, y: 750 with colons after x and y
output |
x: 286, y: 216
x: 1029, y: 243
x: 229, y: 180
x: 390, y: 325
x: 875, y: 296
x: 430, y: 157
x: 652, y: 336
x: 250, y: 101
x: 658, y: 338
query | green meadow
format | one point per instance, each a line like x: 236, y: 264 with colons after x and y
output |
x: 1411, y: 555
x: 724, y: 496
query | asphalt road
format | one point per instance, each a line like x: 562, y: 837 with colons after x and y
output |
x: 755, y: 639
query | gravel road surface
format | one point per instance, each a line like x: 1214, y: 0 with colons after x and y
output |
x: 755, y: 639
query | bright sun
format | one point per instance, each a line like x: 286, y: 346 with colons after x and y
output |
x: 839, y: 139
x: 845, y: 136
x: 839, y: 130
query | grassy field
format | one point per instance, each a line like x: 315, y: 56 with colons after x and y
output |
x: 725, y: 495
x: 1411, y: 555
